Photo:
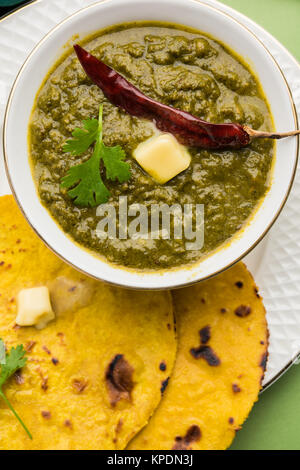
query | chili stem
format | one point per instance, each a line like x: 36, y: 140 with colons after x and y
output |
x: 270, y: 135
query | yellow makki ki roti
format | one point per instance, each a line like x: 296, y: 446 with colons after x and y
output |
x: 94, y: 374
x: 221, y: 358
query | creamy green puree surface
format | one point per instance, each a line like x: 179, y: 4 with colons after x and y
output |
x: 178, y: 67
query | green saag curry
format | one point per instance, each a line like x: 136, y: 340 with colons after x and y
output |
x: 178, y: 67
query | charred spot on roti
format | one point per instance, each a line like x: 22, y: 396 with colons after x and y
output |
x: 180, y: 444
x: 256, y: 292
x: 236, y: 388
x: 164, y: 385
x: 44, y: 383
x: 18, y: 376
x: 118, y: 430
x: 47, y: 350
x: 243, y: 311
x: 175, y: 326
x: 205, y: 334
x: 262, y: 378
x: 119, y: 379
x: 79, y: 385
x: 119, y: 426
x: 223, y: 310
x: 206, y: 353
x: 193, y: 434
x: 163, y: 366
x: 263, y: 362
x: 29, y: 346
x: 61, y: 337
x: 239, y: 284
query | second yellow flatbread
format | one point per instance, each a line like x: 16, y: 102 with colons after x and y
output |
x: 222, y: 351
x: 94, y: 375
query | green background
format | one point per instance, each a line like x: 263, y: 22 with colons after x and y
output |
x: 274, y: 423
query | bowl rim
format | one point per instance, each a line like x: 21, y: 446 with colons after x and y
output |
x: 178, y: 284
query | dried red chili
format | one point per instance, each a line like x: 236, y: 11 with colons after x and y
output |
x: 188, y: 129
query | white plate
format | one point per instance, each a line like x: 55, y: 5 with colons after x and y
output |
x: 275, y: 263
x: 102, y: 14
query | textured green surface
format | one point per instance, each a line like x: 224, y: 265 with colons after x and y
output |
x: 274, y: 423
x: 178, y: 49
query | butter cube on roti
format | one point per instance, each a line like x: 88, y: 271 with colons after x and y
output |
x: 95, y: 375
x: 34, y: 307
x: 162, y: 157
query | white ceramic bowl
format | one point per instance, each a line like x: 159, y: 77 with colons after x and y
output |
x: 188, y: 12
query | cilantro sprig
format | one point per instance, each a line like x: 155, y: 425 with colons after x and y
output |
x: 84, y: 182
x: 82, y: 138
x: 10, y: 363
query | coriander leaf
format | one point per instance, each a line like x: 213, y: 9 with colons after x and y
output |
x: 83, y: 181
x: 116, y: 168
x: 82, y: 138
x: 14, y: 360
x: 90, y: 189
x: 2, y: 352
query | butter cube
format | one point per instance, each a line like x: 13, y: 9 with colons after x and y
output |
x: 34, y: 307
x: 162, y: 157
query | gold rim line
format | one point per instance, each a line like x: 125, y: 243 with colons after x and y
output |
x: 290, y: 363
x: 188, y: 283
